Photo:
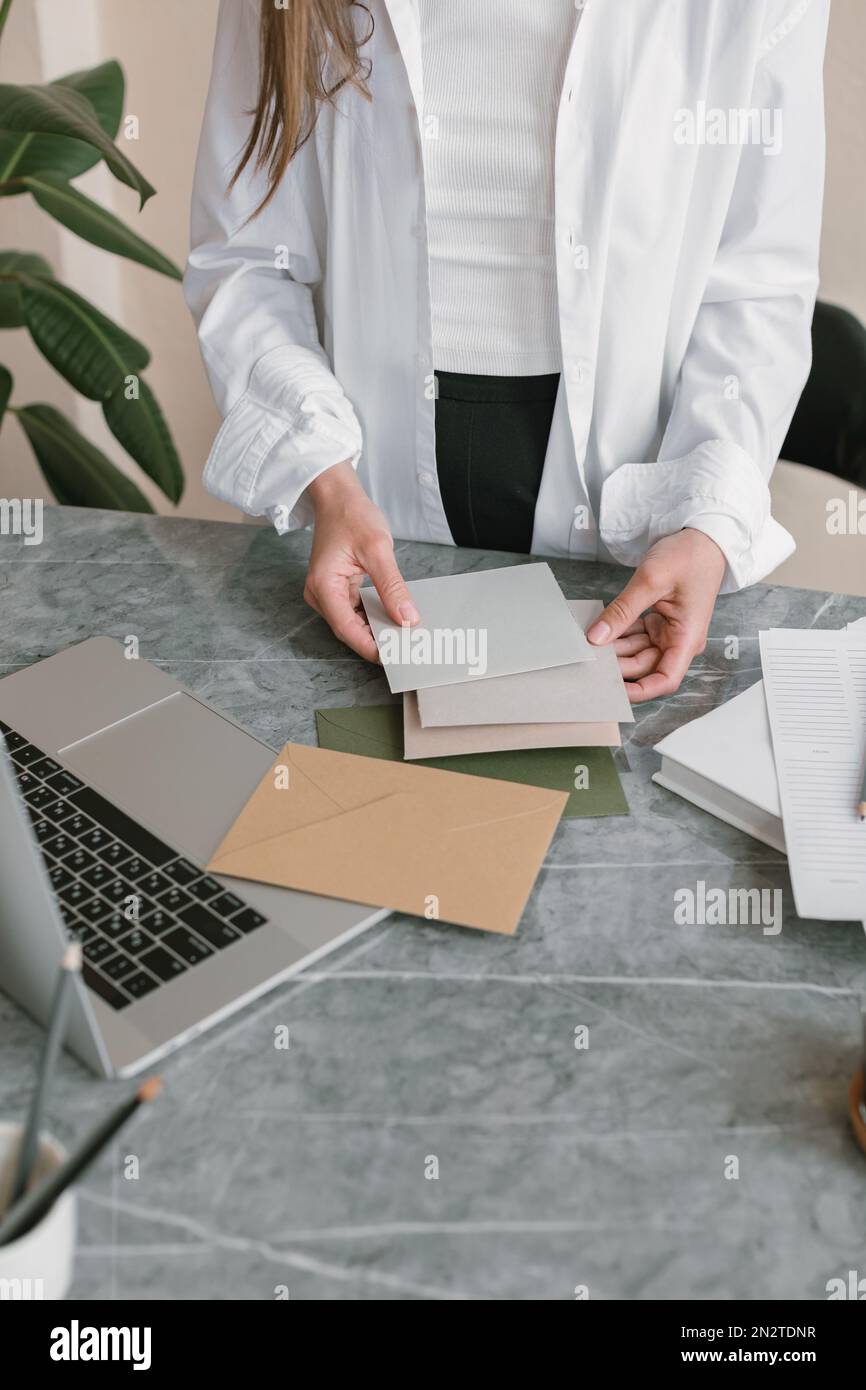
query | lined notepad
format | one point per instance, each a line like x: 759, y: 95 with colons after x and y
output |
x: 815, y: 687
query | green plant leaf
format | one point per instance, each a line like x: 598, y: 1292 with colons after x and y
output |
x: 26, y: 153
x: 92, y: 352
x: 57, y: 110
x: 94, y: 223
x: 15, y: 263
x: 5, y: 390
x: 141, y: 427
x: 77, y: 472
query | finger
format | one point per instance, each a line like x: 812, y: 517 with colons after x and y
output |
x: 633, y: 667
x: 630, y: 646
x: 378, y: 560
x: 624, y: 610
x: 346, y: 623
x: 665, y: 679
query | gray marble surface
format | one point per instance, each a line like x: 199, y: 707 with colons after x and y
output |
x: 263, y: 1169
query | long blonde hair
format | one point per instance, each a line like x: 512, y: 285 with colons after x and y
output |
x: 309, y: 52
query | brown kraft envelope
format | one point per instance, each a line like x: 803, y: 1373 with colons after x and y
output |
x: 436, y: 844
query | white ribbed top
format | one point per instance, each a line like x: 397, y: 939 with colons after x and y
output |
x: 493, y: 72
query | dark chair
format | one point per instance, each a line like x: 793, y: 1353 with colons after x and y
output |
x: 828, y: 430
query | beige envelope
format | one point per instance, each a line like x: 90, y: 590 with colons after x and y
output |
x: 444, y: 741
x: 436, y: 844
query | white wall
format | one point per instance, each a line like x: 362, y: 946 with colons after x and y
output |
x: 164, y: 47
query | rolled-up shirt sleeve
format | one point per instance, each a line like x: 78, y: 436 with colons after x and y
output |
x: 749, y: 353
x: 249, y: 284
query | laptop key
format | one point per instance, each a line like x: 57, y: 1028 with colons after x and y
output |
x: 214, y: 930
x: 76, y: 893
x: 59, y: 845
x: 117, y: 890
x: 95, y: 839
x: 97, y: 874
x: 26, y: 783
x: 83, y: 931
x: 63, y: 783
x: 78, y: 860
x: 55, y: 808
x: 40, y: 797
x: 115, y: 926
x: 46, y: 767
x: 248, y: 920
x: 226, y: 904
x: 123, y: 827
x: 190, y: 948
x: 136, y: 868
x: 115, y: 854
x: 135, y: 941
x: 60, y: 877
x: 42, y: 829
x: 158, y: 921
x: 13, y: 740
x: 98, y: 949
x: 104, y: 988
x: 204, y: 888
x: 139, y: 984
x: 25, y: 755
x: 162, y: 963
x: 153, y: 883
x: 77, y: 825
x: 94, y: 910
x: 117, y: 967
x: 174, y: 899
x: 182, y: 871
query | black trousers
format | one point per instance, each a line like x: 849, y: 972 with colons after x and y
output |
x: 491, y: 438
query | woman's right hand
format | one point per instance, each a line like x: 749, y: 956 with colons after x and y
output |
x: 351, y: 539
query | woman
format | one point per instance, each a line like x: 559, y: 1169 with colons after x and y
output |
x: 524, y: 274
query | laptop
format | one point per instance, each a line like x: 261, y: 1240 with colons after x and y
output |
x: 116, y: 786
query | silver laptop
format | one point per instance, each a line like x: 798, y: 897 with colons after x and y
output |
x: 116, y: 786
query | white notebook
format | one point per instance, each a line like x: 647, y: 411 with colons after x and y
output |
x: 723, y: 762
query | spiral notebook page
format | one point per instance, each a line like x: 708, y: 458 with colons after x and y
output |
x: 815, y: 686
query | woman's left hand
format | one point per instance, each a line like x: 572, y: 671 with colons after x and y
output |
x: 678, y: 580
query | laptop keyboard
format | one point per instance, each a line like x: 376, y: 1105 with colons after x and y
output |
x: 142, y: 912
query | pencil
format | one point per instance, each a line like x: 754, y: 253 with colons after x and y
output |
x: 69, y: 966
x: 862, y: 807
x: 36, y: 1203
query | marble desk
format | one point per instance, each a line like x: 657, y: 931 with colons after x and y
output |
x: 262, y: 1171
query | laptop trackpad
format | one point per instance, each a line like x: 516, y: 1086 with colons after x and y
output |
x: 176, y: 766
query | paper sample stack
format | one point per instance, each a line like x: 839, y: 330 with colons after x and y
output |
x: 499, y: 662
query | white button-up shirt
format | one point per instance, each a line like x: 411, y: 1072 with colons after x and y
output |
x: 689, y: 168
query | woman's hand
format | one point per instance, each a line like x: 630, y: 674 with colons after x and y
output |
x: 350, y: 540
x: 678, y: 580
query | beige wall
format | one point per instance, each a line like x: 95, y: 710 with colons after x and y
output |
x: 164, y: 47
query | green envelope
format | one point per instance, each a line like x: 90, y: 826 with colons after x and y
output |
x: 376, y: 731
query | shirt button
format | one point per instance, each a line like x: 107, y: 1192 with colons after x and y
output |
x: 425, y: 479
